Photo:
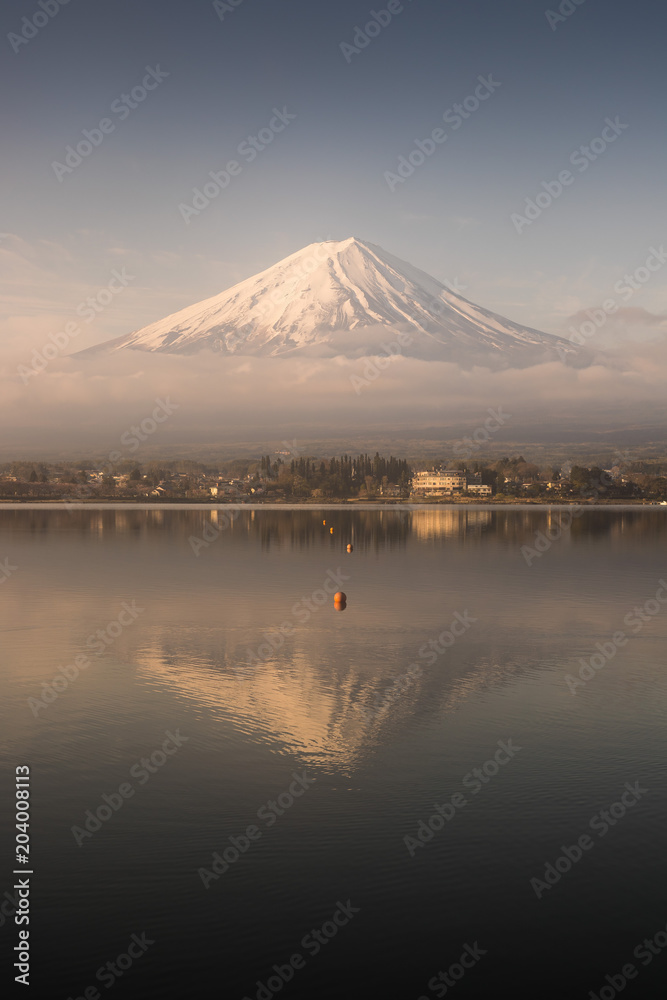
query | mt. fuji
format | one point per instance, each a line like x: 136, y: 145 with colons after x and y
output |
x: 345, y: 298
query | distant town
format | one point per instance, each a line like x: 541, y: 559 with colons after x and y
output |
x: 280, y: 478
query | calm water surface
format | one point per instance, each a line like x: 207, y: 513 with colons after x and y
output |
x: 235, y: 648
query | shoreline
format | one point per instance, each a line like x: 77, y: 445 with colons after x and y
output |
x: 343, y: 504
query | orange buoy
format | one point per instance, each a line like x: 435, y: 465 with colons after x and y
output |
x: 349, y: 548
x: 324, y: 522
x: 331, y: 530
x: 340, y: 597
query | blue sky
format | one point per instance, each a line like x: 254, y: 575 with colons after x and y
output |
x: 169, y: 92
x: 323, y: 175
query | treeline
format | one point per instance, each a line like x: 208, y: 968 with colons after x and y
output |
x: 78, y: 471
x: 361, y: 475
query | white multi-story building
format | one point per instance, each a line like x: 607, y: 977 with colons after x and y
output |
x: 434, y: 483
x: 444, y: 482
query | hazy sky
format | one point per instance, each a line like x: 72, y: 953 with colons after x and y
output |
x: 161, y: 94
x: 323, y: 176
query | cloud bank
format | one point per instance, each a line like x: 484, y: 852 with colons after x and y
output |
x: 77, y: 404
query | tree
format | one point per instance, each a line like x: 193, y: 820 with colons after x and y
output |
x: 368, y: 489
x: 300, y: 487
x: 490, y: 478
x: 658, y: 488
x: 580, y: 476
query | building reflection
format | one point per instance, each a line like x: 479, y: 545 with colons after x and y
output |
x: 429, y: 524
x: 374, y: 528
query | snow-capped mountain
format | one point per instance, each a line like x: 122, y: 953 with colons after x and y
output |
x: 344, y: 298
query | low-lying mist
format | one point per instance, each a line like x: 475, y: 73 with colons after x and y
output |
x: 75, y: 404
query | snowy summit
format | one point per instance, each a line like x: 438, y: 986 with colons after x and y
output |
x: 343, y: 298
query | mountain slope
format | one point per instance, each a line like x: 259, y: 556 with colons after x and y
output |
x: 343, y: 298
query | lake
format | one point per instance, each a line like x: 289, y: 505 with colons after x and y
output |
x: 453, y: 784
